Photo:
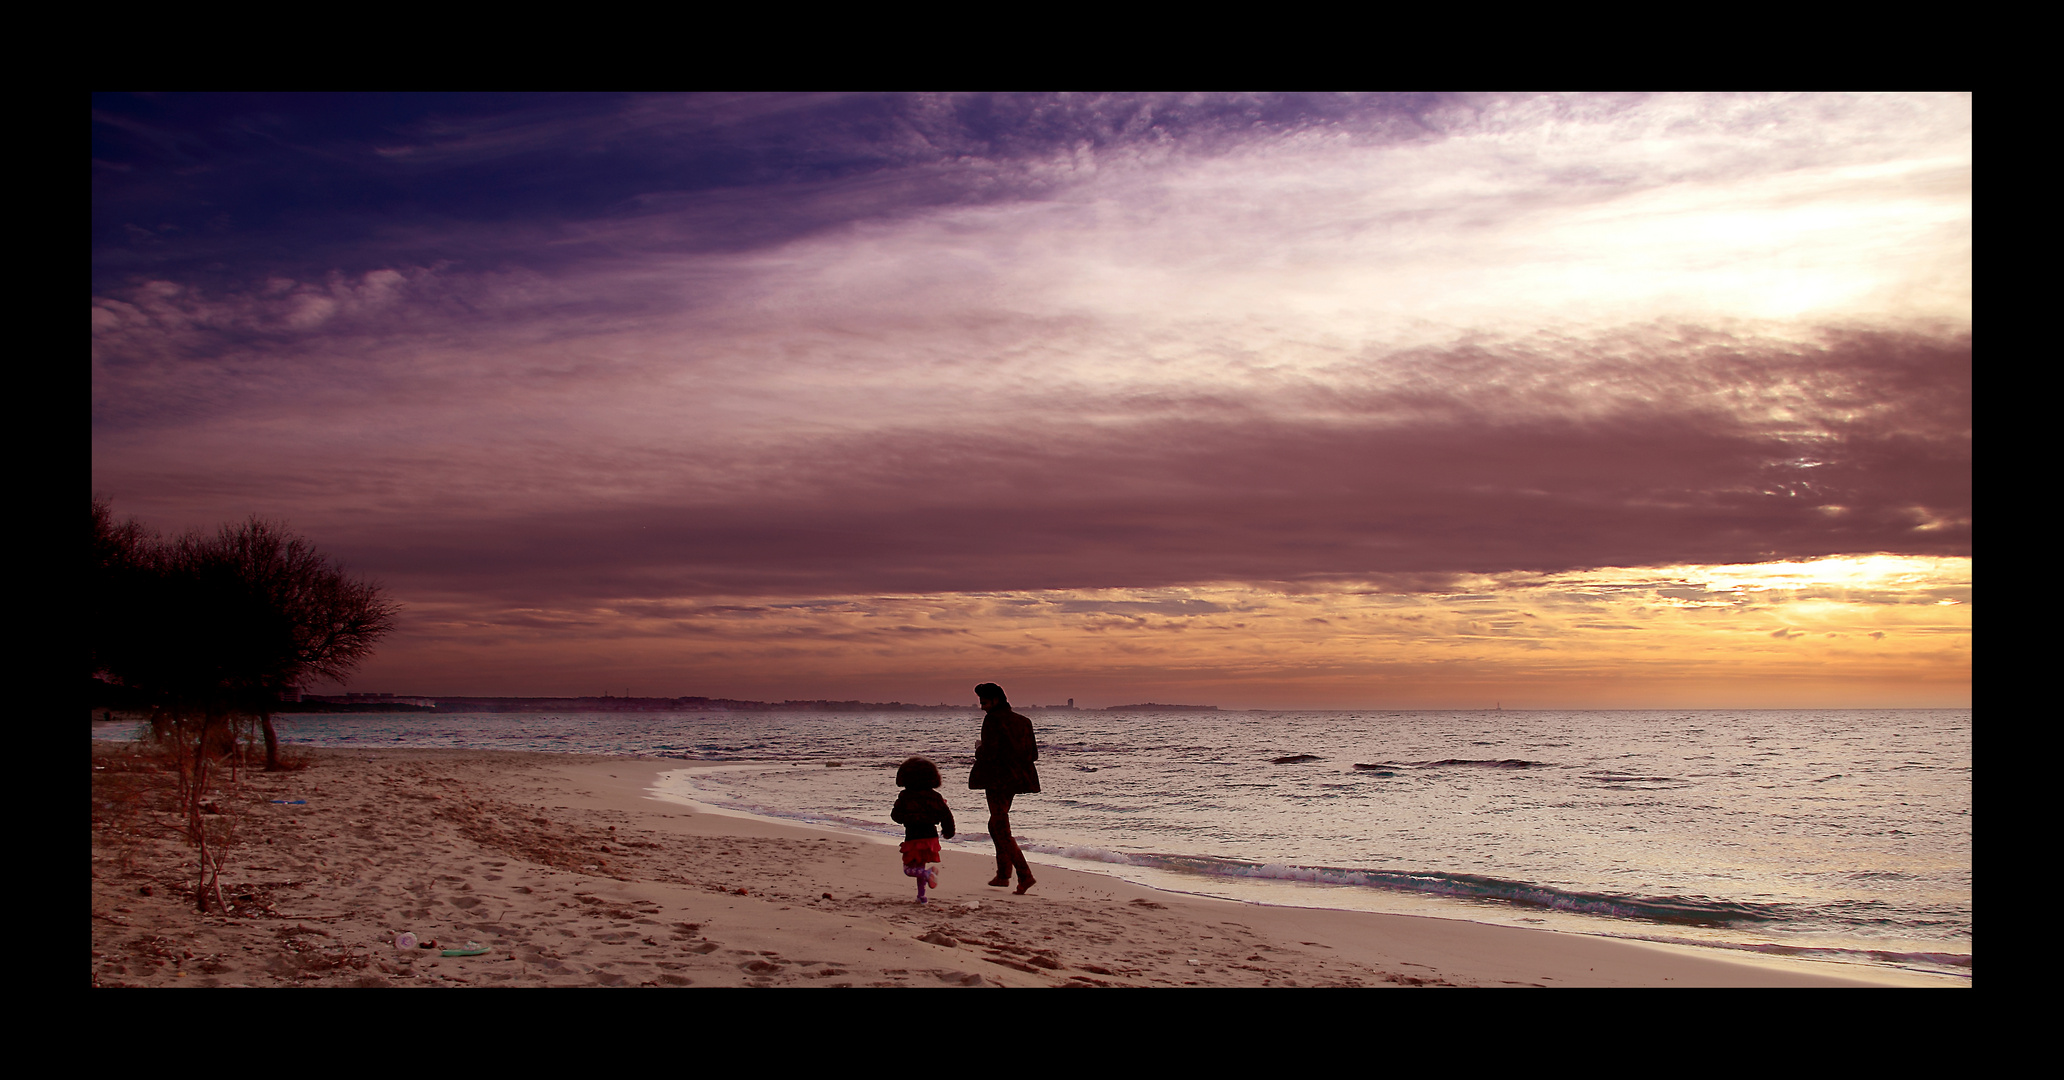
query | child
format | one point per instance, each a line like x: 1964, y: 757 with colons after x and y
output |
x: 922, y: 813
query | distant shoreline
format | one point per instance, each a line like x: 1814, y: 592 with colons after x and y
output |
x: 431, y: 702
x: 108, y: 697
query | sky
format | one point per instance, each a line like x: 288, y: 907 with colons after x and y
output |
x: 1262, y: 401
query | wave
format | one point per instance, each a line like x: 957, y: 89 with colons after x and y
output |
x: 1941, y: 962
x: 1506, y: 763
x: 1623, y: 778
x: 1679, y: 910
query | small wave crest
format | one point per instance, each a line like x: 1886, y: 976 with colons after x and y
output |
x: 1681, y: 910
x: 1444, y: 763
x: 1943, y: 962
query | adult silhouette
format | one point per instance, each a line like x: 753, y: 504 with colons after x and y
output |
x: 1003, y: 770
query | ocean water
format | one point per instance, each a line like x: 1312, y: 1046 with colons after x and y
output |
x: 1843, y: 835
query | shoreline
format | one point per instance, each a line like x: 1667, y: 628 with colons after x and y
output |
x: 1292, y: 890
x: 571, y: 870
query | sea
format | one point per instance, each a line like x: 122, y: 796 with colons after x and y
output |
x: 1842, y: 835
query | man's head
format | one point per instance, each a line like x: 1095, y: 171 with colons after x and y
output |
x: 992, y: 696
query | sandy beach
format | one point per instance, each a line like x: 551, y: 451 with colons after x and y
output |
x: 569, y: 872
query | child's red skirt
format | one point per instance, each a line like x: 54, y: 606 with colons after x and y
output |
x: 920, y: 852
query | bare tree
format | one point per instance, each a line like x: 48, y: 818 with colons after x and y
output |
x: 280, y: 615
x: 213, y: 628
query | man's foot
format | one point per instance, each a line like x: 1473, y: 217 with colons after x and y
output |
x: 1000, y: 881
x: 1024, y: 882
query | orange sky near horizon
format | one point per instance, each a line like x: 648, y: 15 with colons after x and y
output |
x: 1869, y: 632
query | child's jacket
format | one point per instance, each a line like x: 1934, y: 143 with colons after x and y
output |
x: 923, y: 813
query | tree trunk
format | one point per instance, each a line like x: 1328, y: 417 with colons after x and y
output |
x: 271, y: 742
x: 197, y: 830
x: 217, y: 740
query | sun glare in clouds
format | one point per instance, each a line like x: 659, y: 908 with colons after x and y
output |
x: 1273, y: 401
x: 1212, y: 272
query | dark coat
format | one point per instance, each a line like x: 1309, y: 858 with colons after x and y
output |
x: 923, y: 813
x: 1003, y: 761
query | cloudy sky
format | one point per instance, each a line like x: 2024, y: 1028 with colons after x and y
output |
x: 1260, y: 401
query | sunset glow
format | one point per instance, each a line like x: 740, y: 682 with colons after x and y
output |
x: 1264, y: 402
